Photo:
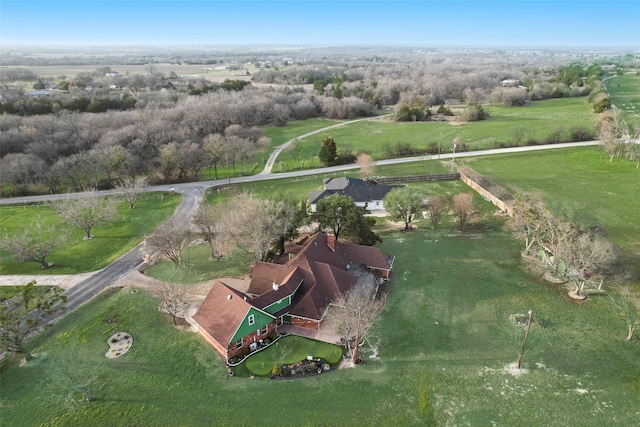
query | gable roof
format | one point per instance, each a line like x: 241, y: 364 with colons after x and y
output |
x: 324, y: 264
x: 221, y: 312
x: 315, y: 272
x: 285, y: 286
x: 359, y: 190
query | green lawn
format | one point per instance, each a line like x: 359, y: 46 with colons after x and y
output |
x: 111, y: 241
x: 445, y: 340
x: 200, y: 267
x: 625, y: 95
x: 290, y: 350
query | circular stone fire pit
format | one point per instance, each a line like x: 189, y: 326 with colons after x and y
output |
x: 119, y: 344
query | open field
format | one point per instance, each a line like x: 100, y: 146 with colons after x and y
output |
x: 581, y: 179
x: 209, y: 71
x: 111, y: 241
x: 538, y: 119
x: 625, y: 95
x: 446, y: 343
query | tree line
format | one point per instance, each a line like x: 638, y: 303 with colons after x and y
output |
x: 170, y: 128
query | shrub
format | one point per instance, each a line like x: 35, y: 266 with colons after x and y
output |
x: 581, y: 134
x: 443, y: 109
x: 473, y: 113
x: 277, y: 370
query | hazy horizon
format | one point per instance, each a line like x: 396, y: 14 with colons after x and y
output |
x: 535, y: 24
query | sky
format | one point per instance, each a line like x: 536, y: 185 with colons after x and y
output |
x: 471, y: 23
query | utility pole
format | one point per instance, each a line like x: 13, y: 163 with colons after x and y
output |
x: 524, y: 343
x: 453, y: 158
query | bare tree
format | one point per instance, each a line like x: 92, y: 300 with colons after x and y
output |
x: 255, y: 223
x: 354, y: 314
x: 206, y: 220
x: 112, y: 161
x: 34, y: 243
x: 528, y: 219
x: 436, y: 206
x: 585, y: 257
x: 22, y: 315
x: 79, y: 373
x: 214, y: 147
x: 633, y: 152
x: 365, y: 161
x: 169, y: 240
x: 463, y: 208
x: 610, y: 133
x: 132, y: 188
x: 86, y: 211
x: 189, y: 157
x: 627, y: 307
x: 21, y: 169
x: 174, y: 298
x: 168, y: 160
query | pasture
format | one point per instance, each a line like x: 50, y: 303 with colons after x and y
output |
x: 580, y: 179
x: 625, y: 95
x: 538, y: 121
x: 444, y: 357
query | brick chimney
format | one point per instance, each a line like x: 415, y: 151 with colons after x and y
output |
x: 331, y: 242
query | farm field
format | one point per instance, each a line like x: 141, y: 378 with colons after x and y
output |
x: 197, y: 70
x: 625, y: 95
x: 443, y: 358
x: 110, y: 241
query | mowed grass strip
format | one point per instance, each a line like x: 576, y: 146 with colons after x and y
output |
x: 110, y: 241
x: 445, y: 344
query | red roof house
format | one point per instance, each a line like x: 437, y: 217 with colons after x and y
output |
x: 297, y: 289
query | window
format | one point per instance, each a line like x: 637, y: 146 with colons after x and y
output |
x: 264, y: 330
x: 239, y: 343
x: 252, y: 319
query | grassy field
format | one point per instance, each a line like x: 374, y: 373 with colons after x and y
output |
x: 581, y: 179
x: 446, y: 343
x: 53, y: 72
x: 538, y: 118
x: 625, y: 95
x: 111, y: 241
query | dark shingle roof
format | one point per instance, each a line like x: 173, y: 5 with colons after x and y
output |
x: 359, y: 190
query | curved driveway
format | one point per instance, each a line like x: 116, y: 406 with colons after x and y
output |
x: 193, y: 194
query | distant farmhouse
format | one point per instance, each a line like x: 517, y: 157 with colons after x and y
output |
x: 297, y: 290
x: 366, y: 194
x: 610, y: 67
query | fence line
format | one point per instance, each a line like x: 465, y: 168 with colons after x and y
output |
x: 418, y: 178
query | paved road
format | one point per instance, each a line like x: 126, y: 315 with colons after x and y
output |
x: 193, y: 194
